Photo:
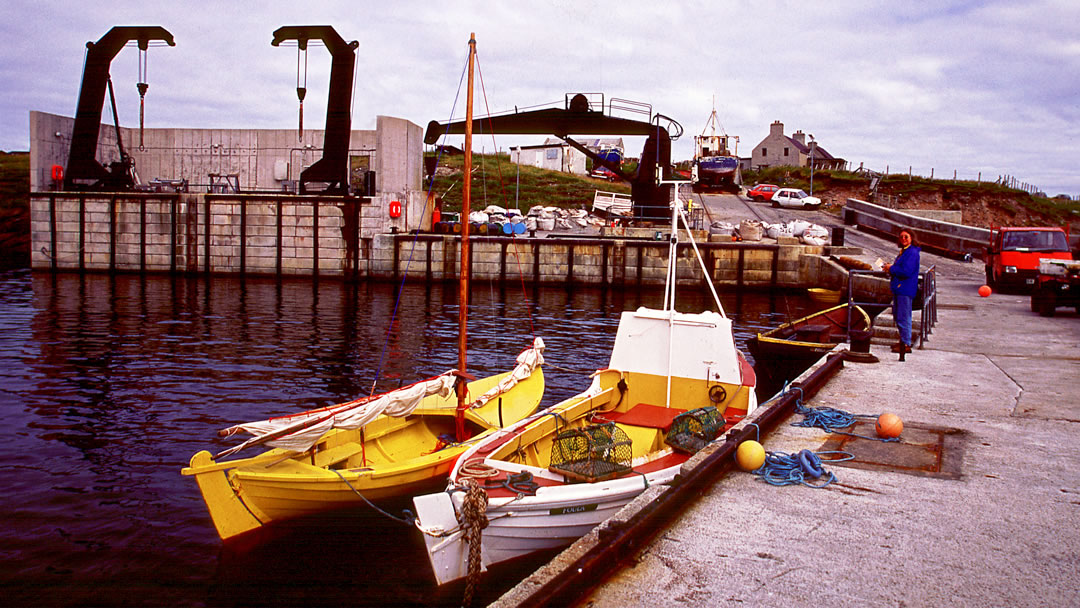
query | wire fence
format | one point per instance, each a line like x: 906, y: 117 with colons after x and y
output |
x: 1008, y: 181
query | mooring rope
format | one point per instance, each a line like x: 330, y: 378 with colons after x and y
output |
x: 782, y: 469
x: 473, y: 522
x: 408, y: 518
x: 829, y: 419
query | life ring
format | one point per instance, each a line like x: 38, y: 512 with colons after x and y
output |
x: 58, y: 173
x: 395, y: 209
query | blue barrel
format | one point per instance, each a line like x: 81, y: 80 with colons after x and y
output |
x: 519, y: 228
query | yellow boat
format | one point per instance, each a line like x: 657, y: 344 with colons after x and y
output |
x: 389, y: 458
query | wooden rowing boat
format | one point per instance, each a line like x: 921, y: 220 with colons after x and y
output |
x: 786, y: 351
x: 387, y: 461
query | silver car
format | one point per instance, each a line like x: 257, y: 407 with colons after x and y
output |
x: 794, y: 197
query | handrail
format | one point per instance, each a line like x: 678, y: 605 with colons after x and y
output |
x: 929, y: 300
x: 929, y: 309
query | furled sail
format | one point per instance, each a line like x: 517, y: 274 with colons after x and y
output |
x: 299, y: 432
x: 526, y: 363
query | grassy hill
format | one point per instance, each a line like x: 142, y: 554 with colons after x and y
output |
x: 496, y: 181
x: 983, y: 203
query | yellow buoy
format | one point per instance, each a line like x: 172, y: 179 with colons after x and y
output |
x: 889, y: 425
x: 750, y: 455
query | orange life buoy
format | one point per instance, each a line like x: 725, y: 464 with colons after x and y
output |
x: 58, y: 173
x: 395, y: 208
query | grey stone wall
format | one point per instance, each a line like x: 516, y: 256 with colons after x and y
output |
x: 264, y: 159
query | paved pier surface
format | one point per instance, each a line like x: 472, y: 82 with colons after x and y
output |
x: 998, y: 385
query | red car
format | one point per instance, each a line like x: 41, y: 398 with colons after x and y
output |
x: 604, y: 173
x: 762, y: 192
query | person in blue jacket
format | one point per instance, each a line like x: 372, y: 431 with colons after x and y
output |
x: 904, y: 283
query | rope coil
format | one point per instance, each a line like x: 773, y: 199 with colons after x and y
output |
x: 782, y: 469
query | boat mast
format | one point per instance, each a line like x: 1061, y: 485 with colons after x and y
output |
x: 463, y: 282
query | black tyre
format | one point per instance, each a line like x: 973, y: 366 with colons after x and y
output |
x: 776, y: 204
x: 990, y: 278
x: 1047, y: 303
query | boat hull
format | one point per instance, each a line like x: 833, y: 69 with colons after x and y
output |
x: 784, y: 352
x: 636, y: 403
x: 717, y: 171
x: 386, y: 463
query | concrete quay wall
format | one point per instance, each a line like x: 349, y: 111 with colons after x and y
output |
x: 354, y: 238
x: 941, y: 237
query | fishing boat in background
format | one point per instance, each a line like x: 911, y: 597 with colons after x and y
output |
x: 716, y: 163
x: 379, y: 449
x: 675, y: 382
x: 786, y: 351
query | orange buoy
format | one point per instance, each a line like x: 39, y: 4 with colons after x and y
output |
x: 750, y: 455
x: 984, y: 291
x: 889, y: 425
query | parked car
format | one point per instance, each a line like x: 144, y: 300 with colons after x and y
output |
x: 762, y: 192
x: 794, y: 197
x: 602, y: 172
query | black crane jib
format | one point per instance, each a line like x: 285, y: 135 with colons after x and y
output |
x: 651, y: 200
x: 333, y: 167
x: 83, y: 169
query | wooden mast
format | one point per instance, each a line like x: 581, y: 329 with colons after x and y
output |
x: 463, y: 282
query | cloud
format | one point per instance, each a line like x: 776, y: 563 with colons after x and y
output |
x: 971, y: 86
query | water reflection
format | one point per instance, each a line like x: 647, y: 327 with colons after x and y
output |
x: 110, y: 383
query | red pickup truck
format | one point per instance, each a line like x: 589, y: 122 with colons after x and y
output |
x: 1012, y: 258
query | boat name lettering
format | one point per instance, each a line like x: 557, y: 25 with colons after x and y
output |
x: 577, y: 509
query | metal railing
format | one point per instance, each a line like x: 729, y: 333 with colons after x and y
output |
x: 928, y: 300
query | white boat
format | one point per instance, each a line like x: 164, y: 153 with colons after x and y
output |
x: 675, y: 382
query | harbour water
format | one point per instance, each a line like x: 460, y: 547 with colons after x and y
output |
x: 108, y: 385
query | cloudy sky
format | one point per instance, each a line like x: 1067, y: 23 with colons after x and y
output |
x: 973, y: 87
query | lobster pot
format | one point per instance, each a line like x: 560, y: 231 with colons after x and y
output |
x: 594, y: 453
x: 692, y: 430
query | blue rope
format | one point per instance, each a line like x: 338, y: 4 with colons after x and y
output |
x: 782, y: 469
x: 830, y: 419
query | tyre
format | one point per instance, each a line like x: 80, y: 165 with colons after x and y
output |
x: 990, y: 278
x: 1034, y: 303
x: 1047, y: 303
x: 776, y: 204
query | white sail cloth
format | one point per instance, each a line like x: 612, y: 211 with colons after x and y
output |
x: 299, y: 432
x: 526, y: 363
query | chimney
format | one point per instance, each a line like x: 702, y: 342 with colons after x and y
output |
x: 800, y: 137
x: 776, y: 128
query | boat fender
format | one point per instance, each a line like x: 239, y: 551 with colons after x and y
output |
x: 717, y: 394
x: 810, y: 463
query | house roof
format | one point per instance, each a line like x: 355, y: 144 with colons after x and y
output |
x: 819, y: 152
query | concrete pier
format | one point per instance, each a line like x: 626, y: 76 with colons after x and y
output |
x: 995, y: 524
